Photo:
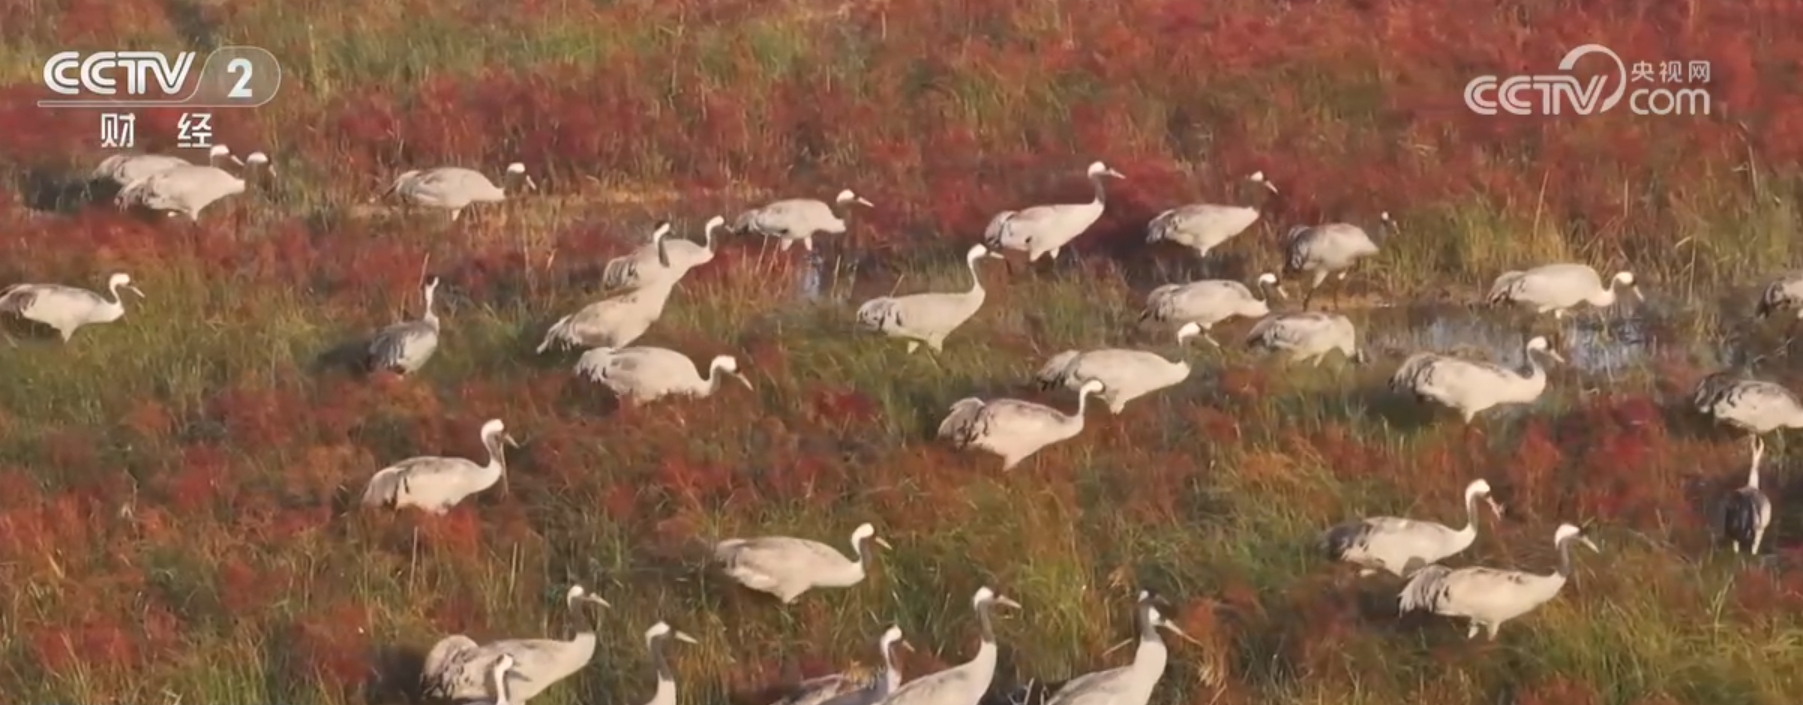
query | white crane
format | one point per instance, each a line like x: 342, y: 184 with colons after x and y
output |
x: 435, y: 483
x: 612, y: 322
x: 67, y: 308
x: 123, y: 169
x: 1755, y: 406
x: 1403, y: 546
x: 965, y: 683
x: 644, y: 374
x: 1308, y: 335
x: 657, y: 639
x: 849, y: 688
x: 1133, y: 683
x: 454, y: 188
x: 1011, y: 428
x: 1472, y: 386
x: 786, y: 567
x: 455, y: 667
x: 799, y: 219
x: 1208, y: 302
x: 405, y: 347
x: 1047, y: 229
x: 1748, y: 511
x: 1558, y: 288
x: 1330, y: 249
x: 1125, y: 374
x: 188, y: 189
x: 1201, y: 227
x: 661, y: 259
x: 1488, y: 597
x: 498, y: 675
x: 1783, y: 293
x: 928, y: 317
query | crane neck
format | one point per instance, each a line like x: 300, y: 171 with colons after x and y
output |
x: 501, y: 695
x: 430, y: 316
x: 1095, y: 184
x: 892, y: 674
x: 666, y: 678
x: 1753, y: 472
x: 976, y: 282
x: 1470, y: 515
x: 497, y: 459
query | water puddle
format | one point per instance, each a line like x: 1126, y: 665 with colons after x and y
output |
x: 1605, y: 345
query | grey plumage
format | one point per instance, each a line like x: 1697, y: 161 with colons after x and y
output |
x: 1125, y: 374
x: 454, y: 188
x: 1403, y: 546
x: 1047, y: 229
x: 1208, y: 302
x: 188, y: 189
x: 404, y: 347
x: 1330, y: 249
x: 1783, y: 293
x: 657, y: 638
x: 1558, y: 288
x: 661, y: 260
x: 1011, y: 428
x: 1472, y: 386
x: 612, y: 322
x: 1201, y: 227
x: 1488, y: 597
x: 1754, y: 406
x: 123, y: 169
x: 798, y: 219
x: 849, y: 688
x: 498, y: 675
x: 435, y: 483
x: 966, y: 683
x: 457, y: 668
x: 927, y: 317
x: 787, y: 567
x: 644, y: 374
x: 1133, y: 683
x: 1307, y: 336
x: 66, y: 308
x: 1747, y: 512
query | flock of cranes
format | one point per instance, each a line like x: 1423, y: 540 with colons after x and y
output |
x: 642, y: 281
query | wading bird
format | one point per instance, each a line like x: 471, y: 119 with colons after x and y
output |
x: 928, y: 317
x: 657, y: 638
x: 1133, y: 683
x: 1047, y: 229
x: 1201, y: 227
x: 1208, y: 302
x: 1011, y: 428
x: 1785, y: 292
x: 455, y: 667
x: 613, y: 322
x: 1331, y: 249
x: 1403, y: 546
x: 435, y: 483
x: 1754, y: 406
x: 67, y: 308
x: 123, y: 169
x: 786, y: 567
x: 454, y: 188
x: 403, y: 348
x: 645, y: 374
x: 661, y: 260
x: 849, y: 688
x: 1487, y: 597
x: 188, y: 189
x: 1558, y: 288
x: 966, y: 683
x: 799, y: 219
x: 1747, y: 512
x: 1125, y: 374
x: 1472, y: 386
x: 1307, y: 336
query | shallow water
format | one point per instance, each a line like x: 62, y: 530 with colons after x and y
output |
x: 1608, y: 344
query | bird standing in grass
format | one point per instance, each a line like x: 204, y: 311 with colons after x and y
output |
x: 799, y: 219
x: 1307, y: 336
x: 123, y: 169
x: 657, y: 638
x: 1472, y: 386
x: 1488, y: 597
x: 454, y: 188
x: 1133, y: 683
x: 1011, y: 428
x: 613, y: 322
x: 1208, y: 302
x: 1559, y: 288
x: 966, y: 683
x: 435, y: 483
x: 1747, y: 512
x: 1125, y: 374
x: 188, y: 189
x: 850, y: 688
x: 1201, y: 227
x: 405, y: 347
x: 1047, y: 229
x: 1403, y: 546
x: 928, y: 317
x: 66, y: 308
x: 660, y: 261
x: 1755, y: 406
x: 786, y: 567
x: 456, y: 667
x: 645, y: 374
x: 1331, y: 249
x: 1784, y: 293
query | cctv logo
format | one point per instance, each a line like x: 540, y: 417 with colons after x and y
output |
x: 102, y: 72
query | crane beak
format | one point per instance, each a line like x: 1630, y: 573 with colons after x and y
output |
x: 530, y: 184
x: 510, y: 441
x: 684, y: 638
x: 904, y: 644
x: 597, y: 600
x: 1115, y: 174
x: 865, y: 203
x: 1587, y: 542
x: 137, y: 291
x: 236, y: 160
x: 1117, y: 647
x: 880, y: 542
x: 1554, y: 354
x: 1637, y: 294
x: 1281, y: 293
x: 1006, y: 602
x: 1268, y: 185
x: 747, y: 383
x: 1172, y: 628
x: 1495, y: 508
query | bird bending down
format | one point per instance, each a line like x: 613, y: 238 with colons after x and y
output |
x: 454, y: 188
x: 1756, y: 407
x: 1472, y: 386
x: 1011, y: 428
x: 456, y: 667
x: 1747, y: 512
x: 1331, y: 249
x: 965, y: 683
x: 1403, y: 546
x: 1558, y: 288
x: 123, y: 169
x: 67, y: 308
x: 436, y: 484
x: 660, y: 260
x: 645, y: 374
x: 187, y: 189
x: 848, y: 688
x: 1307, y: 336
x: 1488, y: 597
x: 613, y: 322
x: 1125, y: 374
x: 1208, y: 302
x: 1133, y: 683
x: 1047, y: 229
x: 799, y: 219
x: 405, y: 347
x: 929, y: 317
x: 1201, y: 227
x: 786, y: 567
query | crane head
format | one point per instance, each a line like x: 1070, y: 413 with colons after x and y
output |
x: 847, y: 196
x: 1569, y: 532
x: 577, y: 592
x: 1189, y: 330
x: 1538, y: 344
x: 1258, y: 177
x: 714, y: 223
x: 1098, y: 169
x: 986, y: 597
x: 662, y: 629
